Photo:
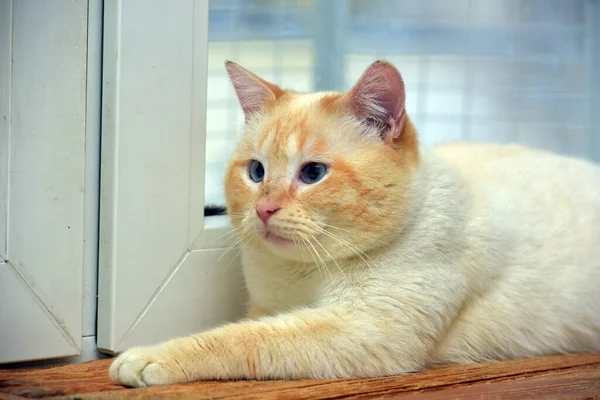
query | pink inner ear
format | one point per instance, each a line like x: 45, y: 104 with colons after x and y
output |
x: 252, y: 92
x: 378, y: 98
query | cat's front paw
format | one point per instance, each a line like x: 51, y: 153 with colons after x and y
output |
x: 146, y: 366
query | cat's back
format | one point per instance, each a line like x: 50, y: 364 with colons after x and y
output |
x: 532, y: 195
x: 533, y: 262
x: 511, y: 160
x: 535, y: 173
x: 531, y: 259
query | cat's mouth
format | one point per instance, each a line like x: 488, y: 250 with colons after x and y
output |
x: 274, y: 238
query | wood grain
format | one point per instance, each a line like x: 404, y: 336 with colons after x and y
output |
x: 557, y: 377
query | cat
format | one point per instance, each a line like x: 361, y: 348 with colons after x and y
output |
x: 365, y: 255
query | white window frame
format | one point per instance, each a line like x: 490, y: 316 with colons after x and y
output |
x: 163, y: 268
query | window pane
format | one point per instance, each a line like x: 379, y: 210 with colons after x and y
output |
x: 490, y: 70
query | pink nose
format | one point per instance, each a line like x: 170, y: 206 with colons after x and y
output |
x: 265, y: 210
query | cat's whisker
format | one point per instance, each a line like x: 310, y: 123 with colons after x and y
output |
x: 321, y: 267
x: 235, y: 256
x: 231, y: 246
x: 227, y: 235
x: 298, y: 244
x: 343, y: 230
x: 345, y: 241
x: 330, y: 256
x: 320, y: 226
x: 303, y: 242
x: 302, y: 249
x: 323, y: 263
x: 336, y: 237
x: 364, y: 257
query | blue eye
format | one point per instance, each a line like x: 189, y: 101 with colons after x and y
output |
x: 256, y: 171
x: 313, y: 172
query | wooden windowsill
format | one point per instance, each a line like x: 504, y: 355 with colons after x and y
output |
x: 569, y: 376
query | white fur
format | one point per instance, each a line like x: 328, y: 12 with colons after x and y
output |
x: 501, y: 260
x: 499, y: 257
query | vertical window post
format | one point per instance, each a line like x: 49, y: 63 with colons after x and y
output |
x: 330, y: 29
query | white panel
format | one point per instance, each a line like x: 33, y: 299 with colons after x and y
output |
x: 204, y: 291
x: 47, y: 166
x: 593, y: 29
x: 89, y: 352
x: 197, y: 131
x: 28, y: 331
x: 154, y: 91
x: 92, y: 166
x: 5, y: 74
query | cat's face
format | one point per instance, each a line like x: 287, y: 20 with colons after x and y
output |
x: 323, y: 174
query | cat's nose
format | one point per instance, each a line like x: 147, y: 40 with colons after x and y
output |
x: 265, y: 210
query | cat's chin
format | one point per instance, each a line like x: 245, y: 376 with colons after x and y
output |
x: 277, y: 240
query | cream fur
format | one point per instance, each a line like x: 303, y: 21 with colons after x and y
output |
x: 497, y: 256
x: 514, y: 272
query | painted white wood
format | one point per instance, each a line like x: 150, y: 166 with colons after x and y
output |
x: 29, y: 330
x: 92, y: 167
x: 203, y: 292
x: 5, y: 93
x: 41, y: 282
x: 152, y: 183
x: 89, y: 352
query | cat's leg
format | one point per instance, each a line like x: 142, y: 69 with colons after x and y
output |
x: 311, y: 343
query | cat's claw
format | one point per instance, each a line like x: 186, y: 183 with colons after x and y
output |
x: 144, y: 366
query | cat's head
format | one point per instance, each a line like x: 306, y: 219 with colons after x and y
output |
x: 321, y: 174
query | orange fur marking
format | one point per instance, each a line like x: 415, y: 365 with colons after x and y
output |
x: 365, y: 177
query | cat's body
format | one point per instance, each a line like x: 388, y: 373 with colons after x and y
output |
x: 522, y: 292
x: 533, y: 264
x: 396, y: 258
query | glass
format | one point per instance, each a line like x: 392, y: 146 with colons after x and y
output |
x: 489, y: 70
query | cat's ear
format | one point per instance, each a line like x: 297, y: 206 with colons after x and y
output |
x: 252, y: 92
x: 378, y: 99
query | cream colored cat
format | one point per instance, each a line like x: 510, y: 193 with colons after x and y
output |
x: 371, y: 256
